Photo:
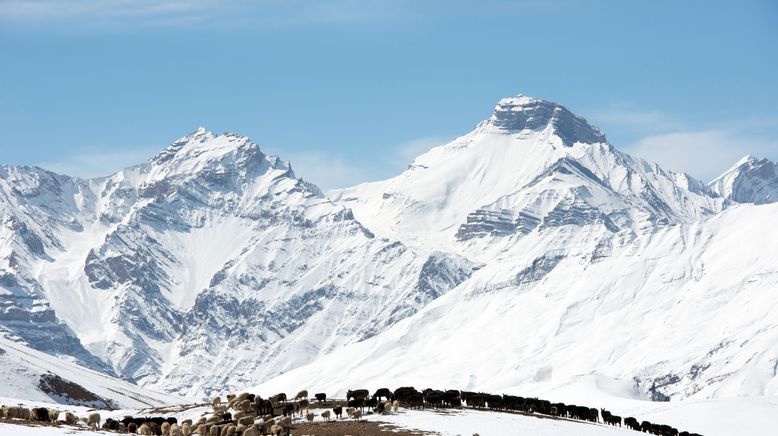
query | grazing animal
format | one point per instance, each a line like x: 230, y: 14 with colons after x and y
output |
x: 132, y: 428
x: 356, y: 414
x: 70, y: 418
x: 251, y: 431
x: 302, y: 394
x: 93, y: 421
x: 385, y: 407
x: 321, y: 397
x: 264, y: 427
x: 216, y: 401
x: 303, y: 404
x: 39, y: 414
x: 144, y: 430
x: 165, y: 427
x: 631, y: 423
x: 338, y: 411
x: 53, y: 415
x: 395, y: 406
x: 309, y: 417
x: 359, y: 394
x: 383, y: 393
x: 325, y: 415
x: 277, y: 430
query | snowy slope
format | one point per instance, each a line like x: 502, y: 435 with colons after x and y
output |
x: 682, y: 310
x: 544, y: 167
x: 751, y: 180
x: 210, y: 255
x: 36, y: 376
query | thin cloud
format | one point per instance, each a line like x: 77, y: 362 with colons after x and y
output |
x: 637, y: 120
x: 331, y: 171
x: 410, y: 150
x: 46, y: 9
x: 328, y: 171
x: 121, y: 14
x: 98, y: 162
x: 704, y: 154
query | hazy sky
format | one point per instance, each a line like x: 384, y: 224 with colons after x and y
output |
x: 351, y: 90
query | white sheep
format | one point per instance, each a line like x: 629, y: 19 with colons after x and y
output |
x: 325, y: 415
x: 277, y: 430
x: 53, y: 415
x: 144, y: 430
x: 175, y: 430
x: 13, y: 412
x: 216, y: 401
x: 165, y: 427
x: 93, y: 420
x: 309, y: 416
x: 355, y: 414
x: 395, y: 406
x: 70, y: 418
x: 302, y: 394
x: 186, y: 428
x: 250, y: 432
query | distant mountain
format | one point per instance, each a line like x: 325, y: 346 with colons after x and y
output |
x: 751, y: 180
x: 531, y: 165
x: 525, y: 255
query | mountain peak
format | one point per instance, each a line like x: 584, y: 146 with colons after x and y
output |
x: 521, y: 113
x: 750, y: 180
x: 204, y: 144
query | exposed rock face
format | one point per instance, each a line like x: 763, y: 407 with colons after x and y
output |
x: 522, y: 113
x: 751, y: 180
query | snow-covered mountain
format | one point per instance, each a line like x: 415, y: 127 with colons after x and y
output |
x: 208, y: 267
x: 751, y: 180
x: 528, y: 254
x: 595, y: 263
x: 532, y: 165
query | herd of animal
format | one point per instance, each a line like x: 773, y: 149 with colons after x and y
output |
x: 251, y: 415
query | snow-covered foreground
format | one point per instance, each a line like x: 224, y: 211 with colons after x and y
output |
x: 453, y: 422
x: 721, y: 417
x: 467, y: 422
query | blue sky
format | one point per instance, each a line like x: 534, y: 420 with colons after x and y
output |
x: 351, y: 91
